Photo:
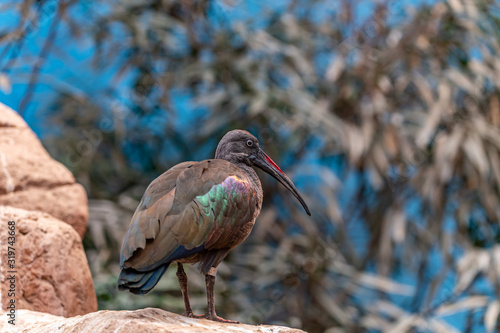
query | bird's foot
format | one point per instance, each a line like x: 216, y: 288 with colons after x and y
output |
x: 209, y: 316
x: 190, y: 314
x: 214, y: 317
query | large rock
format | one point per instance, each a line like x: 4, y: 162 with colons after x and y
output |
x: 66, y: 202
x: 52, y: 272
x: 139, y: 321
x: 32, y: 180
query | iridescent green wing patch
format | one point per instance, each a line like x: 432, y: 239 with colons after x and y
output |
x: 224, y: 207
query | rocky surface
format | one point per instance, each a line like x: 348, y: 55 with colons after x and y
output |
x: 139, y: 321
x: 52, y: 273
x: 32, y: 180
x: 65, y: 202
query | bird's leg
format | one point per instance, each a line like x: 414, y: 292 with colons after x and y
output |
x: 210, y: 282
x: 183, y: 282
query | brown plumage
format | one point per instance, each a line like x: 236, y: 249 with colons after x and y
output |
x: 196, y: 212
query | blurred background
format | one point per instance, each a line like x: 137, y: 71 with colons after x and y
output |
x: 385, y: 114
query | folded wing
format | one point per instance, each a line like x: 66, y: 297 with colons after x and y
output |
x: 195, y: 207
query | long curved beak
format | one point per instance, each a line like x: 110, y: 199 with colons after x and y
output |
x: 264, y: 162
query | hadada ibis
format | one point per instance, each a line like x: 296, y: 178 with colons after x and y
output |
x: 196, y: 212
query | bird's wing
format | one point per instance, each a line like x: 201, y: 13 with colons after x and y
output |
x: 193, y: 207
x: 145, y: 220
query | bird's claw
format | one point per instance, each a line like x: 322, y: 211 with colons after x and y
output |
x: 192, y: 315
x: 210, y: 316
x: 214, y: 317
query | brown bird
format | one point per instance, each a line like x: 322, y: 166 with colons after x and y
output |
x: 196, y: 212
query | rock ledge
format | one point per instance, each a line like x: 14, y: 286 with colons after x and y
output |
x: 139, y: 321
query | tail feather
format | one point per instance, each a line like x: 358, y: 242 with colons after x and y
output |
x: 140, y: 282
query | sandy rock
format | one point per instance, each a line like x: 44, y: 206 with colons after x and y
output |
x: 10, y: 118
x: 66, y: 202
x: 52, y: 273
x: 25, y: 162
x: 27, y: 172
x: 139, y: 321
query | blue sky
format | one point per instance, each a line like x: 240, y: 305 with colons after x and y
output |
x: 69, y: 68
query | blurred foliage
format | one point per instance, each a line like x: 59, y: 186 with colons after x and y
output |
x: 388, y: 122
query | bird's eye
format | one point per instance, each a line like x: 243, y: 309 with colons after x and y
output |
x: 249, y: 143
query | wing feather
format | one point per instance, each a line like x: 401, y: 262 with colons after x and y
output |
x: 193, y: 207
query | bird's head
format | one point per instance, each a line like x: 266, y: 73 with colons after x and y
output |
x: 240, y: 146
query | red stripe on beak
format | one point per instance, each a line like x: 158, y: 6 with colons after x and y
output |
x: 268, y: 159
